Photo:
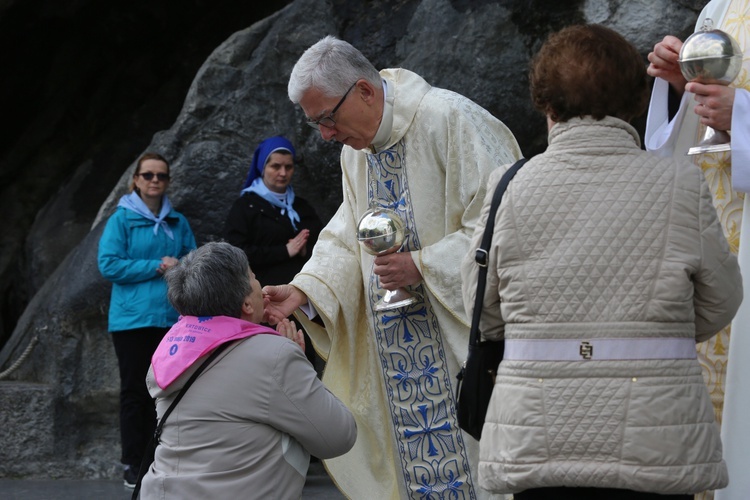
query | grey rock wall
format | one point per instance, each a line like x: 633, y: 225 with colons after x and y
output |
x: 85, y: 85
x: 238, y: 97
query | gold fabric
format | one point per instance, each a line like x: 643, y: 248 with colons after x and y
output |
x: 734, y: 19
x: 717, y: 167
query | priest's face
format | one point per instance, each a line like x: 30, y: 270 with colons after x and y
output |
x: 357, y: 118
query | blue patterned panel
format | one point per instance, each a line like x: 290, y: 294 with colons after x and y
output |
x: 417, y: 383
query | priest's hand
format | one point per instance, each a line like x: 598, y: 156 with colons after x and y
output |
x: 396, y: 270
x: 664, y: 65
x: 280, y: 301
x: 714, y: 104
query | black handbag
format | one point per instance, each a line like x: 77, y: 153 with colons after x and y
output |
x: 477, y: 376
x: 148, y: 454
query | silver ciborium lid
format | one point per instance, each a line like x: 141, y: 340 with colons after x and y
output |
x: 710, y: 56
x: 381, y: 231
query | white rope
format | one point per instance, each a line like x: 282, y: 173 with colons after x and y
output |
x: 23, y: 357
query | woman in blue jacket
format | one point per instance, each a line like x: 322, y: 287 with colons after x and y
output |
x: 142, y: 239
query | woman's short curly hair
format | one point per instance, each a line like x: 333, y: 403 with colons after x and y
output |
x: 588, y: 70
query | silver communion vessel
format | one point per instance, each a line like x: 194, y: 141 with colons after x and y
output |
x: 381, y: 231
x: 710, y: 56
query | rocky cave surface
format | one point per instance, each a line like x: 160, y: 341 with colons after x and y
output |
x: 88, y: 86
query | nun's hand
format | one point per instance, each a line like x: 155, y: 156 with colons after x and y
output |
x: 298, y: 244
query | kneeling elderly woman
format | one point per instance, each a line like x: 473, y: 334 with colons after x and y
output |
x: 247, y: 426
x: 607, y: 265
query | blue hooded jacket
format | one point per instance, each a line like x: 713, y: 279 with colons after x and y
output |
x: 129, y: 256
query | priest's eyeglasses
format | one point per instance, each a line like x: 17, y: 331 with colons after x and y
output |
x: 328, y: 121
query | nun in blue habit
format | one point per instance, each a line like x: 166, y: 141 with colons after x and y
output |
x: 276, y: 229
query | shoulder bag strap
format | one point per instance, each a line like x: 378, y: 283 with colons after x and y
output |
x: 193, y: 377
x: 482, y: 253
x: 147, y: 460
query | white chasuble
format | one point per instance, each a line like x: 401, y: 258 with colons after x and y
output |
x: 735, y: 389
x: 395, y: 370
x: 726, y: 364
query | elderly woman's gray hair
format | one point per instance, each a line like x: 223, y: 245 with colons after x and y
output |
x: 330, y: 66
x: 212, y: 280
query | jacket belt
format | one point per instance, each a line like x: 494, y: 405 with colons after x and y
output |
x: 599, y: 349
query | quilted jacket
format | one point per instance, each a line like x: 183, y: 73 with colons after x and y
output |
x: 596, y: 238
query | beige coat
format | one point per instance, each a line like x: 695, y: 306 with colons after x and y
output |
x: 596, y: 238
x: 247, y: 425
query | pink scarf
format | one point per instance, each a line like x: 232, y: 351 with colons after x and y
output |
x: 193, y: 337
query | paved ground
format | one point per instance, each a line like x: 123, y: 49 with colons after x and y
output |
x: 317, y: 487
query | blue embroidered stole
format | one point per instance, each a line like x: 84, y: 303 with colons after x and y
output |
x: 418, y: 385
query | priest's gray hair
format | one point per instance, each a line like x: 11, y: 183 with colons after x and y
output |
x: 330, y: 66
x: 212, y: 280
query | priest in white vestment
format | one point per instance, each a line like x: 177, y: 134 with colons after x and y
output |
x: 425, y: 153
x: 726, y: 363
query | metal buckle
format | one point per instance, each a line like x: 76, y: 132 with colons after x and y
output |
x: 482, y: 257
x: 586, y: 350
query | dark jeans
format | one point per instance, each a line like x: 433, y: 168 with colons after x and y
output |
x: 562, y: 493
x: 311, y: 355
x: 134, y: 349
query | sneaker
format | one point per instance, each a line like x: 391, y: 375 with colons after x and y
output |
x: 130, y: 477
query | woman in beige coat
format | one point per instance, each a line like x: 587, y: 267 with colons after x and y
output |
x: 607, y: 265
x: 247, y: 426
